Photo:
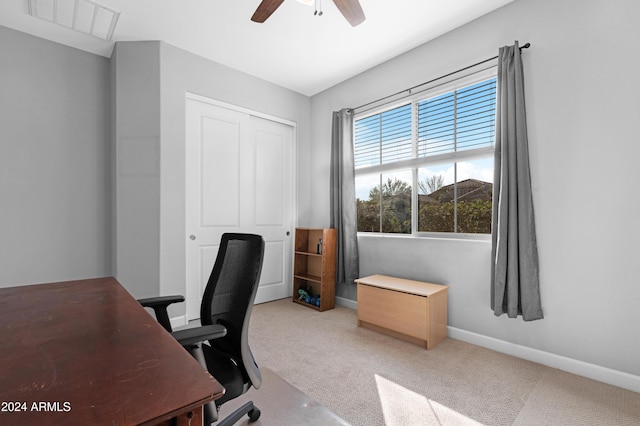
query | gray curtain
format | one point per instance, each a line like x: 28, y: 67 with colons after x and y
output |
x: 514, y: 273
x: 343, y: 196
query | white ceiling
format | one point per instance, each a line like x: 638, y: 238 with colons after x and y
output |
x: 293, y: 48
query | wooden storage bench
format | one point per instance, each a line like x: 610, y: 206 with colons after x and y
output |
x: 414, y: 311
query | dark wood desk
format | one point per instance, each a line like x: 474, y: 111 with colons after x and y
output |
x: 86, y: 353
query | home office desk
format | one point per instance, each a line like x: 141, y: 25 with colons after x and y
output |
x: 87, y: 353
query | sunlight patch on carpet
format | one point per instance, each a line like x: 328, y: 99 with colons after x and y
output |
x: 402, y: 406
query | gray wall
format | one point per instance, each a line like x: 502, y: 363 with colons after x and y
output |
x: 582, y: 105
x: 136, y: 166
x: 92, y: 158
x: 183, y: 72
x: 54, y: 162
x: 151, y: 81
x: 56, y: 182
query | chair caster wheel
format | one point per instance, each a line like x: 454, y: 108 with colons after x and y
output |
x: 254, y: 414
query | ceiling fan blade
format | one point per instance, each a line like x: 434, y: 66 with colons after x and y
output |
x: 351, y: 10
x: 265, y: 9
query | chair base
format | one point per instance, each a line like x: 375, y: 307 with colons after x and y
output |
x: 248, y: 408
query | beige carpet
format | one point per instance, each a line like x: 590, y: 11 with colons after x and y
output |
x: 367, y: 378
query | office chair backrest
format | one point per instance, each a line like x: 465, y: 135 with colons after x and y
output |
x: 229, y: 296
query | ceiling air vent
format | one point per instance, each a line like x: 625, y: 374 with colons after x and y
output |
x: 83, y: 16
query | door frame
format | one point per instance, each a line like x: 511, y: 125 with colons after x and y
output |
x: 294, y: 170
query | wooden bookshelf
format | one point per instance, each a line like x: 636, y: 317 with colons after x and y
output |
x: 314, y: 269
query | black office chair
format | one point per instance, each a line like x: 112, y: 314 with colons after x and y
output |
x: 224, y: 314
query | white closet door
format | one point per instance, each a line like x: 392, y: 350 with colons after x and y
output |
x: 239, y: 178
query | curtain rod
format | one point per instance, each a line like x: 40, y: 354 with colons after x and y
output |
x: 525, y: 46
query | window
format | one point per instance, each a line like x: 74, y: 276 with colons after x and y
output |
x: 426, y: 164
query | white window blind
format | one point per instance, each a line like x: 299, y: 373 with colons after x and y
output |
x: 384, y: 138
x: 458, y: 120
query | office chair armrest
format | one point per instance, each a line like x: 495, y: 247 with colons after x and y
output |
x: 192, y: 336
x: 191, y: 339
x: 151, y: 302
x: 159, y: 306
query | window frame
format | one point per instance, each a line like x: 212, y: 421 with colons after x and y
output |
x: 415, y: 163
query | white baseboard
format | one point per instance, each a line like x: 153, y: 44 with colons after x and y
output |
x: 347, y: 303
x: 585, y: 369
x: 570, y: 365
x: 179, y: 321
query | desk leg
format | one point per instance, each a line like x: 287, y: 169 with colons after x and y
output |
x: 190, y: 418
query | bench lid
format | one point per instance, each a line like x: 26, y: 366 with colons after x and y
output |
x: 400, y: 284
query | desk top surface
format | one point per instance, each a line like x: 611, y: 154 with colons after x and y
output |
x: 87, y: 353
x: 400, y: 284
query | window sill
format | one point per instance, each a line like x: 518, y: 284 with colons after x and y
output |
x: 480, y: 238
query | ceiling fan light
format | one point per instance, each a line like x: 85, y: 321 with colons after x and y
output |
x: 306, y: 2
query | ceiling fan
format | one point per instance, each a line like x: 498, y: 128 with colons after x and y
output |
x: 350, y: 9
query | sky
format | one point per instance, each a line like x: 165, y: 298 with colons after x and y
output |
x: 481, y: 169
